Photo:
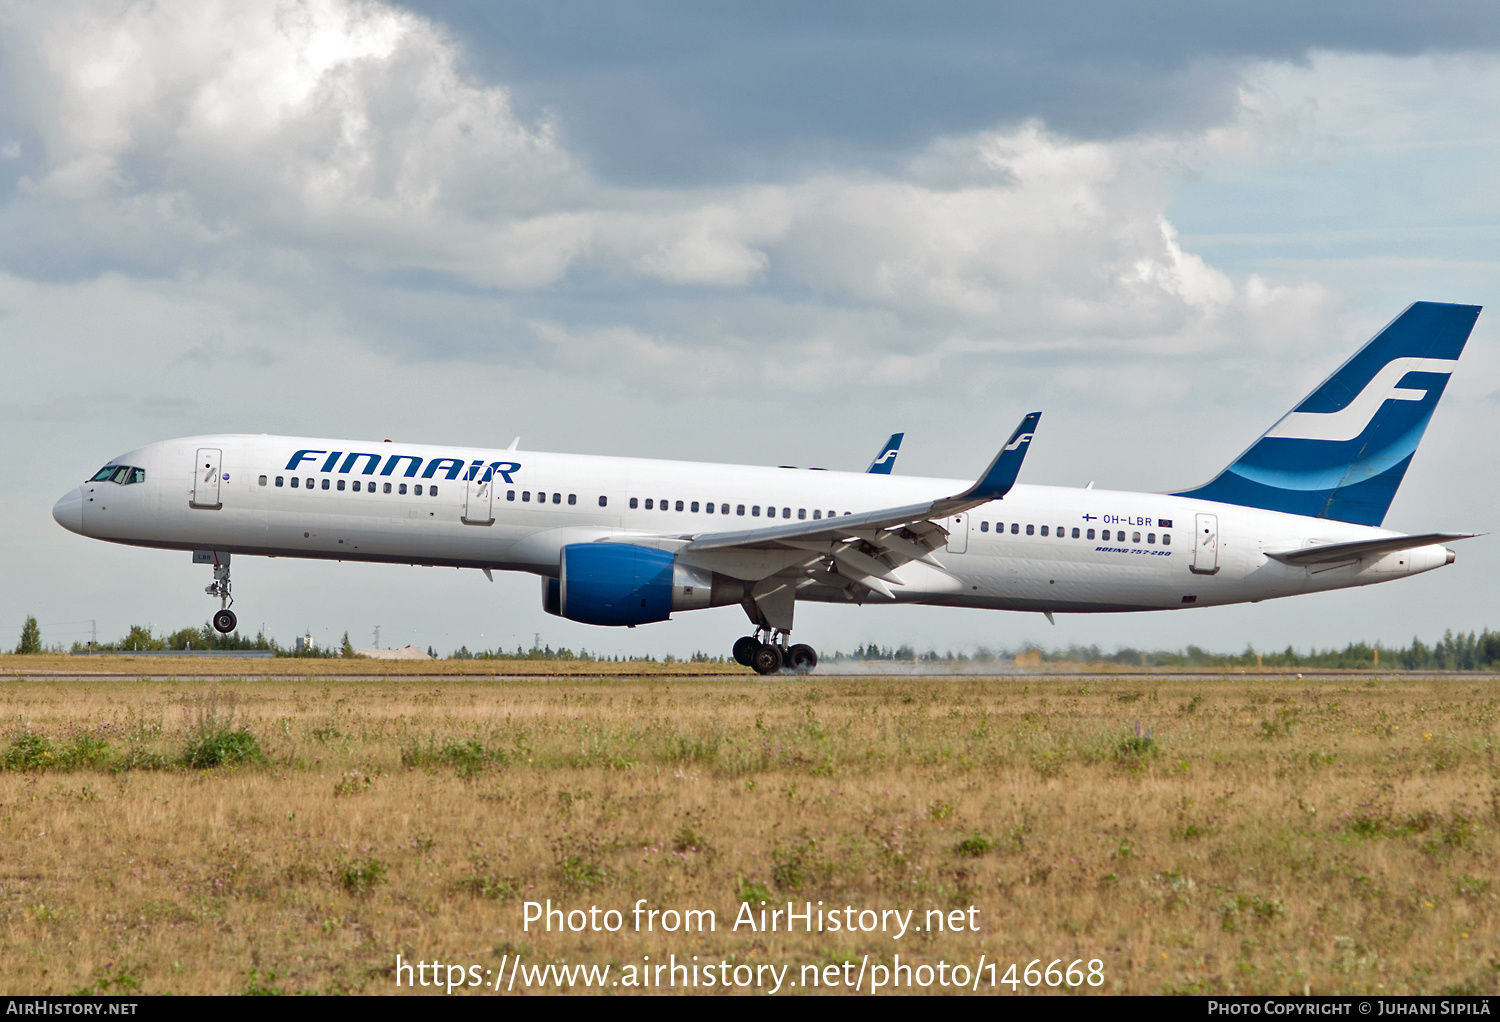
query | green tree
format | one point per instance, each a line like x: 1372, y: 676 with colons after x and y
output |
x: 348, y: 647
x: 31, y: 637
x: 140, y: 638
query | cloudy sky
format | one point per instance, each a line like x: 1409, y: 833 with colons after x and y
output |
x: 766, y: 233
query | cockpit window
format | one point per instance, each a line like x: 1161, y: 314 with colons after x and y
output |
x: 122, y: 474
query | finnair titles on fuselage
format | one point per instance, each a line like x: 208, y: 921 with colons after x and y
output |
x: 627, y: 541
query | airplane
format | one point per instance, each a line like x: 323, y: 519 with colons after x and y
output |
x: 631, y: 541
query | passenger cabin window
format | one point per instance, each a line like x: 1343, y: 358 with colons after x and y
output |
x: 309, y: 483
x: 294, y: 482
x: 739, y: 509
x: 984, y: 526
x: 572, y: 497
x: 279, y: 480
x: 386, y: 488
x: 650, y: 504
x: 1044, y: 529
x: 1075, y: 532
x: 801, y: 513
x: 679, y: 505
x: 817, y: 514
x: 1090, y: 534
x: 525, y: 496
x: 695, y: 505
x: 1135, y: 537
x: 786, y: 512
x: 755, y: 511
x: 1015, y: 527
x: 557, y: 498
x: 355, y: 487
x: 1150, y: 537
x: 724, y: 509
x: 417, y: 489
x: 325, y: 484
x: 510, y: 494
x: 432, y: 491
x: 1166, y: 539
x: 341, y: 484
x: 401, y: 489
x: 603, y: 501
x: 1030, y: 530
x: 634, y: 502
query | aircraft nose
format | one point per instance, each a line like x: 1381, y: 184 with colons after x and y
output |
x: 69, y: 510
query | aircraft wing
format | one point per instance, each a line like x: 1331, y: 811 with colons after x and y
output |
x: 864, y: 549
x: 1327, y: 553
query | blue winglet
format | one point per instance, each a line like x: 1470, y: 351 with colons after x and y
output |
x: 886, y: 459
x: 1001, y: 475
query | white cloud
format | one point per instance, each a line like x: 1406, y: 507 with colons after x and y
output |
x: 345, y: 127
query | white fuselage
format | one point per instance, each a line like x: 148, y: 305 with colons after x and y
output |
x: 1041, y: 548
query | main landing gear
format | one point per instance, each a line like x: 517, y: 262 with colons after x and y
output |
x: 767, y: 651
x: 224, y: 620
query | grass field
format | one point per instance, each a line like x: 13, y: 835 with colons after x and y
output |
x: 257, y: 835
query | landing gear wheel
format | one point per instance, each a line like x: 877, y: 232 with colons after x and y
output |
x: 767, y: 659
x: 224, y: 621
x: 802, y: 658
x: 744, y: 650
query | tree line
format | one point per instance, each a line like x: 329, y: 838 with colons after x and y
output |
x: 1472, y: 651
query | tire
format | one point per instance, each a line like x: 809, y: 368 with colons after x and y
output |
x: 744, y: 650
x: 802, y: 658
x: 224, y: 621
x: 767, y: 659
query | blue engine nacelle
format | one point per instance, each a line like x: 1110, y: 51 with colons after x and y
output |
x: 626, y: 584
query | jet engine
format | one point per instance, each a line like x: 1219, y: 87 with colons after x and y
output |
x: 628, y: 584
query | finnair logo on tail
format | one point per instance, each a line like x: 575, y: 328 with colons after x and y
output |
x: 1018, y: 442
x: 1351, y: 420
x: 889, y: 455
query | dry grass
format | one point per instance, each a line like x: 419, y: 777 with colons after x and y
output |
x: 1272, y: 836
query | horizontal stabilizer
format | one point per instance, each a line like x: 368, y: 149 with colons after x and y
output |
x: 1327, y: 553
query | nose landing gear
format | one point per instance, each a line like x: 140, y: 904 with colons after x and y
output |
x: 225, y: 620
x: 768, y: 653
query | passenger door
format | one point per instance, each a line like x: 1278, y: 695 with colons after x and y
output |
x: 479, y: 502
x: 1206, y: 546
x: 206, y: 479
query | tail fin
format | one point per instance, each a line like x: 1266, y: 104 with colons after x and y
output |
x: 886, y: 459
x: 1343, y: 451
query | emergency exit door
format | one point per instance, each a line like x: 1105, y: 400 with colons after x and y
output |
x: 958, y: 533
x: 1206, y: 546
x: 206, y: 479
